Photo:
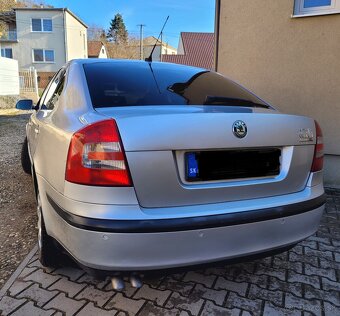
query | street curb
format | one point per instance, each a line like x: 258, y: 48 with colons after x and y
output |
x: 16, y: 273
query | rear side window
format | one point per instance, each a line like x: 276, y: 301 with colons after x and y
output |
x: 141, y: 83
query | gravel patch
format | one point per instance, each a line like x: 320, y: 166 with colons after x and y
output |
x: 17, y: 204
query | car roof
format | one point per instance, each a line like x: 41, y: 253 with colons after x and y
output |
x: 128, y: 61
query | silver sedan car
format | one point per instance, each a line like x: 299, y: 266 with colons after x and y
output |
x: 143, y: 166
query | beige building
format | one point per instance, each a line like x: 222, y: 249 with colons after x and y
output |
x: 162, y: 48
x: 287, y: 52
x: 45, y: 38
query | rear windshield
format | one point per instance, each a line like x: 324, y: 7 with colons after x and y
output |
x: 129, y: 83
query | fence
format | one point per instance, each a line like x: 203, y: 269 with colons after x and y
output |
x: 28, y: 81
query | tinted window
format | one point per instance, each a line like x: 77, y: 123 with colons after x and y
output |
x: 141, y: 83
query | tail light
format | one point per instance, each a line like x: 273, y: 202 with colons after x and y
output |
x: 96, y: 156
x: 318, y: 151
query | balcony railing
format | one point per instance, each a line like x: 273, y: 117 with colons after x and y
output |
x: 8, y: 35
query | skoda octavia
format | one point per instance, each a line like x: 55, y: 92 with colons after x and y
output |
x: 144, y: 166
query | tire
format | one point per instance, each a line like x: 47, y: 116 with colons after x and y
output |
x: 48, y: 252
x: 25, y: 158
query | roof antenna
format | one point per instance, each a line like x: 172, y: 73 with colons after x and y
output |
x: 149, y: 59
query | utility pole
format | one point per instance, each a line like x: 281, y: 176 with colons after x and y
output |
x: 141, y: 41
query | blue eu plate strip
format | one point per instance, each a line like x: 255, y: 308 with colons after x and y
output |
x: 192, y: 166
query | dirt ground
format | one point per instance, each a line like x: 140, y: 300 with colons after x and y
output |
x: 17, y: 206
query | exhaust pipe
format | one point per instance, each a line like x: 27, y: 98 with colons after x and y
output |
x: 136, y: 281
x: 117, y: 283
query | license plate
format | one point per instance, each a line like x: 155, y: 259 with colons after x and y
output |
x: 192, y: 171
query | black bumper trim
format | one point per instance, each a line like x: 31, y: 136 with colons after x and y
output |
x: 188, y: 223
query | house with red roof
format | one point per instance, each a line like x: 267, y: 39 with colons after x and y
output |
x: 96, y: 49
x: 194, y: 49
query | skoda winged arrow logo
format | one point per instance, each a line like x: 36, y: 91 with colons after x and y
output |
x: 240, y: 129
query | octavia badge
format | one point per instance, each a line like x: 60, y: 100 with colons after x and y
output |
x: 240, y: 129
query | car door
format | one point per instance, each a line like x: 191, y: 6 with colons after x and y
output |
x: 44, y: 108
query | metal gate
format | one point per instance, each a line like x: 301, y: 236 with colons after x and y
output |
x: 28, y: 80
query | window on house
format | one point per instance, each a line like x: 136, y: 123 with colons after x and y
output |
x: 316, y: 7
x: 42, y: 25
x: 43, y: 55
x: 6, y: 52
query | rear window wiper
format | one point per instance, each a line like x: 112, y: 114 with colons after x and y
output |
x: 218, y: 100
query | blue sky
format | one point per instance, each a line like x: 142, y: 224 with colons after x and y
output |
x: 185, y: 15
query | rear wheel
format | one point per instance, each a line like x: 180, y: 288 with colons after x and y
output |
x: 25, y: 158
x: 48, y: 252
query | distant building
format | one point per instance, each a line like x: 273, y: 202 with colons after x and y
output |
x: 45, y: 38
x: 194, y: 49
x: 161, y: 49
x: 96, y: 49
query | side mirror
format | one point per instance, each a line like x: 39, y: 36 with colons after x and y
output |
x: 24, y: 105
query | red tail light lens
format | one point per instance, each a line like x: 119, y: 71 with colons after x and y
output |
x: 96, y: 156
x: 318, y: 152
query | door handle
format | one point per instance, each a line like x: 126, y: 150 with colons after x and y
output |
x: 36, y: 130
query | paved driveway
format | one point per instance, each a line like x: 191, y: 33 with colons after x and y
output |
x: 303, y: 281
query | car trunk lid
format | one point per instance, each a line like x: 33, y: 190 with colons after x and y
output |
x: 158, y: 139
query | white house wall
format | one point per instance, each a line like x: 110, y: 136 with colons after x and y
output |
x: 27, y: 40
x: 76, y: 38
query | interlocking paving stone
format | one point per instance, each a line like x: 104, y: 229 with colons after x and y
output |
x: 18, y: 286
x: 158, y: 296
x: 184, y: 288
x: 218, y: 296
x: 272, y: 310
x: 39, y: 295
x: 327, y: 295
x: 90, y: 310
x: 30, y: 309
x: 45, y: 279
x: 276, y: 284
x: 303, y: 281
x: 152, y: 310
x: 210, y: 309
x: 9, y: 304
x: 312, y: 280
x: 275, y: 297
x: 294, y: 303
x: 207, y: 280
x: 191, y: 304
x: 331, y: 310
x: 131, y: 306
x: 235, y: 301
x: 64, y: 285
x: 238, y: 287
x: 94, y: 295
x: 68, y: 305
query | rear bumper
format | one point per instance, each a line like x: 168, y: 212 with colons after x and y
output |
x: 132, y: 245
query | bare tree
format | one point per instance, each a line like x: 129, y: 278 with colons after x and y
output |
x: 129, y: 50
x: 96, y: 33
